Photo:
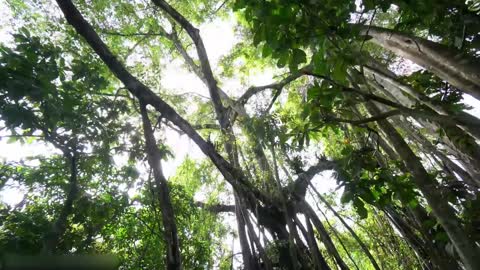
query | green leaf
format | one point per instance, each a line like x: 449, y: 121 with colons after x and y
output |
x: 360, y: 207
x: 298, y: 56
x: 282, y: 61
x: 267, y: 50
x: 347, y: 196
x: 313, y: 93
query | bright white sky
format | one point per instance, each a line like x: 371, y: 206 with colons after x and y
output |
x: 219, y: 38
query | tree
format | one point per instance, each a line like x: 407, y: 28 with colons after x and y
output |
x: 403, y: 149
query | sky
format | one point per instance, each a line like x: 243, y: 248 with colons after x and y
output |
x: 219, y: 38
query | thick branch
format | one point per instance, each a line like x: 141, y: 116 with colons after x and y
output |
x: 216, y: 208
x: 173, y: 258
x: 143, y: 93
x: 202, y: 55
x: 275, y: 86
x: 450, y: 65
x: 389, y: 82
x: 299, y: 187
x: 447, y: 120
x: 378, y: 117
x: 121, y: 34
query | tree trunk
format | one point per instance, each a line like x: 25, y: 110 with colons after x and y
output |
x: 460, y: 144
x: 318, y: 258
x: 247, y: 254
x: 349, y: 229
x: 445, y: 214
x: 325, y: 238
x: 173, y: 259
x: 451, y: 65
x: 466, y: 121
x: 52, y: 238
x: 473, y: 183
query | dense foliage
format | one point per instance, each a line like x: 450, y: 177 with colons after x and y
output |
x: 367, y: 95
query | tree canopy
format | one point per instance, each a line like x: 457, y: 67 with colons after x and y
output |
x: 165, y: 151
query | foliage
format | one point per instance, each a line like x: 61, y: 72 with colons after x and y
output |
x: 96, y: 190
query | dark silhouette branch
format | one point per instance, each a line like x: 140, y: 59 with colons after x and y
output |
x: 216, y: 208
x: 146, y: 95
x: 173, y: 258
x: 194, y: 34
x: 275, y: 86
x: 381, y: 116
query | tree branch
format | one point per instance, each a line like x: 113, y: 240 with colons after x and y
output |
x: 194, y: 34
x: 121, y: 34
x: 173, y: 258
x: 381, y: 116
x: 299, y: 187
x: 216, y: 208
x: 173, y: 37
x: 276, y: 86
x: 146, y: 95
x: 444, y: 119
